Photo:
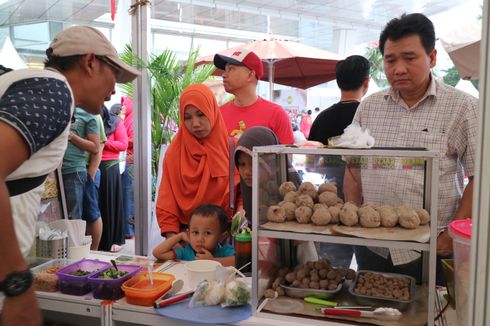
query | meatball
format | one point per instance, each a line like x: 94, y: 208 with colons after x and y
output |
x: 328, y: 198
x: 291, y: 196
x: 407, y: 217
x: 303, y: 214
x: 276, y: 214
x: 389, y: 217
x: 348, y: 214
x: 369, y: 217
x: 423, y: 216
x: 321, y: 217
x: 330, y: 186
x: 319, y: 206
x: 304, y: 200
x: 286, y: 187
x: 309, y: 189
x: 289, y: 209
x: 335, y: 214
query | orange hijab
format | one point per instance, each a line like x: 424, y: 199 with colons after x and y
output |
x: 196, y: 171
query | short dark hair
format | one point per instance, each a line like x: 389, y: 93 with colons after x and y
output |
x: 352, y: 72
x: 211, y: 211
x: 309, y: 112
x: 61, y: 63
x: 406, y: 25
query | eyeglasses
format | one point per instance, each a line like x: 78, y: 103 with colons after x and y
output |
x: 116, y: 69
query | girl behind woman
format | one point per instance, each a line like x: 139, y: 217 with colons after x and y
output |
x: 255, y: 136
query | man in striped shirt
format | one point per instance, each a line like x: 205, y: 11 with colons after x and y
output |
x: 416, y: 111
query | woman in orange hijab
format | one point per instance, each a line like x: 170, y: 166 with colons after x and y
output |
x: 196, y: 167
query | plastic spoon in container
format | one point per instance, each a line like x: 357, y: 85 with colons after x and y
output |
x: 150, y: 272
x: 113, y: 262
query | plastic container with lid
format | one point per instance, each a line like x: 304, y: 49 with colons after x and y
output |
x: 243, y: 251
x: 110, y: 288
x: 460, y: 231
x: 45, y: 278
x: 73, y: 279
x: 140, y: 291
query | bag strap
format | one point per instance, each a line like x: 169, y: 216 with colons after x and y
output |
x: 20, y: 186
x: 232, y: 173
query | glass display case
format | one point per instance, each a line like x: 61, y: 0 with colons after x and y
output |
x: 398, y: 178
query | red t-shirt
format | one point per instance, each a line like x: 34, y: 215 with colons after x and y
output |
x: 262, y: 113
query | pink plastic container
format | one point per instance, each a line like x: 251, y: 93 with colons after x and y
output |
x: 110, y: 289
x: 460, y: 231
x: 78, y: 284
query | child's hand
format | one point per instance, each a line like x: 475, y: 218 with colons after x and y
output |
x: 204, y: 254
x: 185, y: 237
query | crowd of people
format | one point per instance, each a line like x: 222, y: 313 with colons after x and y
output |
x: 56, y: 116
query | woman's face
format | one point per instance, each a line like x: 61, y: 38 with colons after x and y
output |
x: 245, y: 168
x: 196, y: 122
x: 122, y: 113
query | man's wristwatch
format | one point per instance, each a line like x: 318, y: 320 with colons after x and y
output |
x: 16, y: 283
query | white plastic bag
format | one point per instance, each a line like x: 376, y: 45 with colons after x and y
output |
x: 237, y: 293
x: 227, y: 290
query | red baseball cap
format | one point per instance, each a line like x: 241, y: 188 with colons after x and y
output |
x: 241, y: 57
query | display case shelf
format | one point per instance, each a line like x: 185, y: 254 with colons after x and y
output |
x: 345, y: 240
x: 275, y: 160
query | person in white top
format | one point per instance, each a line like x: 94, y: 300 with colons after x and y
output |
x: 36, y: 107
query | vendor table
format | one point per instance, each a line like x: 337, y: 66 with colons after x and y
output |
x: 85, y: 310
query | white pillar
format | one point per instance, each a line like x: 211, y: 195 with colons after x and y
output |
x: 479, y: 300
x: 142, y: 131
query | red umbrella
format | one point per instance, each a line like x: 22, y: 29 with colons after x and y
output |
x: 288, y: 63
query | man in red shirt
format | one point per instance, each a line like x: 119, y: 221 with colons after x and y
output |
x: 242, y: 70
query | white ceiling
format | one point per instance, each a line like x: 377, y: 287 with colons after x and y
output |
x: 310, y: 21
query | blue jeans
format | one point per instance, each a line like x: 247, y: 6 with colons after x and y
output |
x: 128, y: 199
x: 91, y: 211
x: 74, y: 184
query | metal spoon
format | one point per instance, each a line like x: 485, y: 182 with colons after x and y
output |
x: 176, y: 287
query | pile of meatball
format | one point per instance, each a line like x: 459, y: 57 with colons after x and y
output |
x: 306, y: 204
x: 378, y: 285
x: 318, y: 275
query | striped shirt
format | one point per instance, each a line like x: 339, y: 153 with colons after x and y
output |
x: 444, y: 119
